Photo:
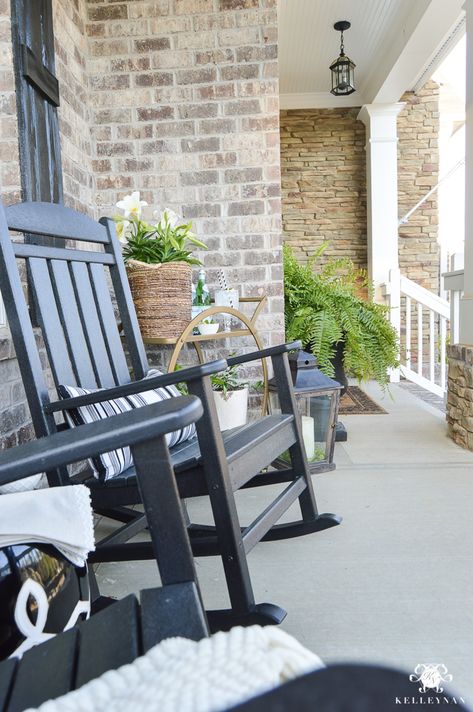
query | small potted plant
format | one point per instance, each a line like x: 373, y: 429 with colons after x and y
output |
x: 208, y: 326
x: 159, y: 261
x: 231, y: 398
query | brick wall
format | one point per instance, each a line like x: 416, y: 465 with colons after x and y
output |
x: 71, y: 48
x: 323, y: 178
x: 418, y: 163
x: 177, y: 99
x: 185, y: 108
x: 14, y: 419
x: 71, y: 54
x: 9, y: 153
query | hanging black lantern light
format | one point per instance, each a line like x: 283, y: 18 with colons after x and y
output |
x: 342, y: 68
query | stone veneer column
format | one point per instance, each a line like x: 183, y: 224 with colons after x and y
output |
x: 460, y: 395
x: 381, y: 172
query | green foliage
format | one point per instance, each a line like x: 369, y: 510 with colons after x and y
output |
x: 227, y: 381
x: 323, y: 308
x: 155, y: 244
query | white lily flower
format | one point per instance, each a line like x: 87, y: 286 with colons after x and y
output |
x: 122, y: 229
x: 131, y: 204
x: 173, y: 218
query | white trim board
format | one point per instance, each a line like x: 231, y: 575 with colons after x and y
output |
x: 320, y: 100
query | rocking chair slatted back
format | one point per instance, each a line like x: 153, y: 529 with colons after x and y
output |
x: 74, y: 305
x: 46, y: 219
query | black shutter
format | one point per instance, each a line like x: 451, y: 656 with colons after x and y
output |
x: 37, y: 101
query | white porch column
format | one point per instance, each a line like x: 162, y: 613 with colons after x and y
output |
x: 466, y: 304
x: 381, y: 175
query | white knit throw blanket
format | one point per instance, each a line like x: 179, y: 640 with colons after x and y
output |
x: 180, y: 675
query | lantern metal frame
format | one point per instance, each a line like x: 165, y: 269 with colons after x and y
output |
x: 309, y: 381
x: 343, y: 68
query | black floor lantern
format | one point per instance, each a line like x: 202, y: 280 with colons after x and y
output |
x: 342, y: 69
x: 317, y: 398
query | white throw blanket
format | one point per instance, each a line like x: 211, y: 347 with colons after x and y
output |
x: 61, y: 516
x: 180, y: 675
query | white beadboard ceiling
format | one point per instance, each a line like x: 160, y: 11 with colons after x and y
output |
x: 380, y: 33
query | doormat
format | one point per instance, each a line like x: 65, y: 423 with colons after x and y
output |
x: 356, y: 402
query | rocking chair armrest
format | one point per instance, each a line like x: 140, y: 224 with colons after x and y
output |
x: 195, y: 373
x: 271, y: 351
x: 130, y: 428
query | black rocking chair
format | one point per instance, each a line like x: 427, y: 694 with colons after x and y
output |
x: 75, y: 310
x: 123, y: 630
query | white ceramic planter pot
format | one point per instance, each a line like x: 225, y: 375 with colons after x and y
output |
x: 208, y: 328
x: 232, y: 412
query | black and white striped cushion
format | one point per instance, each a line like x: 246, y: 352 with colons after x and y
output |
x: 113, y: 463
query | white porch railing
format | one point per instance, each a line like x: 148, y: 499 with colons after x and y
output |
x: 421, y: 318
x: 453, y: 283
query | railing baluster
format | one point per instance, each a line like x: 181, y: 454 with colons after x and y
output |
x: 419, y: 299
x: 455, y: 322
x: 432, y: 345
x: 408, y: 332
x: 443, y: 360
x: 419, y: 338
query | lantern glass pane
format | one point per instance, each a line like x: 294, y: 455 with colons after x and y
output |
x: 316, y: 431
x: 318, y: 416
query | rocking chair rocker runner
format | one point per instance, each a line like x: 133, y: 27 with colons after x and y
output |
x: 75, y: 311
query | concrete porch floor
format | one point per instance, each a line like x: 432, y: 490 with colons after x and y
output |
x: 394, y: 583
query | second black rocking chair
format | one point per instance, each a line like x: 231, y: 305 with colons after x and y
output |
x: 75, y: 311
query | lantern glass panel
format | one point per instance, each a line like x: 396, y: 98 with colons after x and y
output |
x: 343, y: 76
x: 315, y: 411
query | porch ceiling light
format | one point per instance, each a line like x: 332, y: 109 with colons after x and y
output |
x: 342, y: 68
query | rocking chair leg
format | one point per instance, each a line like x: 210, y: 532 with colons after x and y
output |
x: 223, y: 507
x: 261, y: 614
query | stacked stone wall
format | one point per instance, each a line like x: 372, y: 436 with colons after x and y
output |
x: 323, y: 175
x: 460, y: 395
x: 418, y: 171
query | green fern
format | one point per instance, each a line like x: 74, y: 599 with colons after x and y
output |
x: 323, y: 308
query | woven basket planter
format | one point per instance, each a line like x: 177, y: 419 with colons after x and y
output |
x: 162, y: 295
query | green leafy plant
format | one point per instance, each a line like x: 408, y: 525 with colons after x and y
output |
x: 227, y: 381
x: 318, y: 455
x: 209, y: 320
x: 324, y: 307
x: 168, y: 240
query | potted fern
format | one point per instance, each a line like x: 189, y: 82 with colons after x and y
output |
x: 159, y: 261
x: 326, y: 309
